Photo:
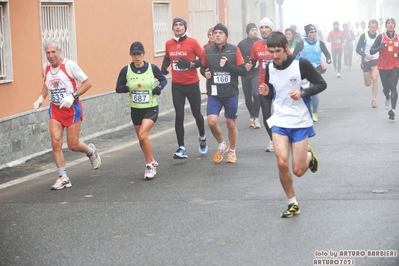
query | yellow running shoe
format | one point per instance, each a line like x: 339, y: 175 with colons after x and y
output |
x: 293, y: 209
x: 315, y: 117
x: 314, y: 162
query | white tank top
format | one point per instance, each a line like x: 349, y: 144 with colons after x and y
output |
x: 368, y: 42
x: 288, y: 113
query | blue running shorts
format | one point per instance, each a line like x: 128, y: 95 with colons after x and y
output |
x: 294, y: 134
x: 230, y: 104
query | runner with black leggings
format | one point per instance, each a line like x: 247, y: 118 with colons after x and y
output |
x: 183, y: 54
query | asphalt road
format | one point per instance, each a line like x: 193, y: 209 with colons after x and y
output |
x: 196, y: 212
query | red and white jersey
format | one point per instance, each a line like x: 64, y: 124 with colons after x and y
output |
x: 389, y: 54
x: 63, y: 80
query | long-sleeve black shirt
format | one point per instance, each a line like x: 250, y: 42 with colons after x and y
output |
x: 307, y: 72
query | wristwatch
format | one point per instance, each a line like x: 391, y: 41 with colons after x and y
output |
x: 302, y: 93
x: 75, y: 95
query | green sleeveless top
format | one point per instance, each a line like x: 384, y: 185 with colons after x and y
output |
x: 140, y: 87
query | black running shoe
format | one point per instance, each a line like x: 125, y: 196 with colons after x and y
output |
x: 314, y: 162
x: 293, y: 209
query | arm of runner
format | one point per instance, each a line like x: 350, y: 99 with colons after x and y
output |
x: 121, y: 86
x: 239, y: 68
x: 41, y: 98
x: 360, y: 44
x: 325, y: 52
x: 309, y: 72
x: 159, y: 76
x: 165, y: 65
x: 298, y: 48
x: 377, y: 45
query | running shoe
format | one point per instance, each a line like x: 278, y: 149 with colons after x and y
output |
x: 150, y: 172
x: 203, y: 148
x: 293, y: 209
x: 180, y: 154
x: 373, y: 103
x: 219, y: 154
x: 338, y: 75
x: 269, y: 147
x: 155, y: 164
x: 257, y: 123
x: 94, y: 158
x: 314, y: 162
x: 62, y: 182
x: 388, y: 103
x: 231, y: 157
x: 391, y: 114
x: 315, y: 117
x: 251, y: 122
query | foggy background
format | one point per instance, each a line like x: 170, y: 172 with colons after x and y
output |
x: 322, y: 13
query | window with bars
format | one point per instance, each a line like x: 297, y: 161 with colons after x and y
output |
x: 6, y: 73
x: 162, y: 26
x: 56, y: 24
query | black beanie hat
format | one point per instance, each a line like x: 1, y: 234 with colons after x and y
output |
x: 309, y: 28
x: 250, y: 26
x: 221, y: 27
x: 180, y: 20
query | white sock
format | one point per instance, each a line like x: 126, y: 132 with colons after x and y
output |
x: 89, y: 151
x: 292, y: 200
x: 222, y: 145
x: 61, y: 171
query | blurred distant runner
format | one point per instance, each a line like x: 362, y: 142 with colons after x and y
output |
x: 336, y: 37
x: 387, y: 45
x: 250, y: 81
x: 311, y: 48
x: 369, y: 62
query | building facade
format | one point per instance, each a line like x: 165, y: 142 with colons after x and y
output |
x: 97, y: 35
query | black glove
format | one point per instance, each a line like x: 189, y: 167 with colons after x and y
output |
x: 164, y: 71
x: 382, y: 45
x: 156, y: 91
x: 183, y: 63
